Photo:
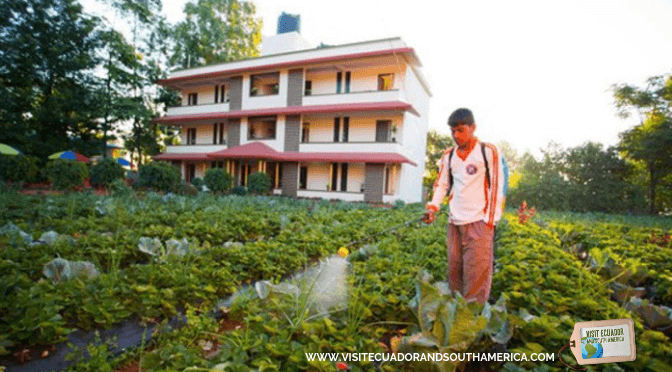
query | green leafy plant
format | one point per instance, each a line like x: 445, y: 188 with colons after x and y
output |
x: 239, y: 190
x: 66, y: 174
x: 158, y: 176
x: 197, y: 182
x: 259, y: 183
x: 105, y: 172
x: 18, y: 168
x: 448, y: 323
x: 218, y: 180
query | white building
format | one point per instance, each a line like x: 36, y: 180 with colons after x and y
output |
x: 340, y: 122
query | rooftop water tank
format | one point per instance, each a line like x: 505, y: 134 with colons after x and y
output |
x: 289, y: 23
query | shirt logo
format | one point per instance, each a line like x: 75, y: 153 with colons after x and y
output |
x: 471, y: 169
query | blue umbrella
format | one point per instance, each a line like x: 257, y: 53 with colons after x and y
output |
x: 123, y: 162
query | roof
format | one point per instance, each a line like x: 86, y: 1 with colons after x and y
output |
x: 254, y: 150
x: 259, y: 150
x: 292, y: 110
x: 347, y: 157
x: 296, y: 59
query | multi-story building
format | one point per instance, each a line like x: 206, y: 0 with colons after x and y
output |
x: 340, y: 122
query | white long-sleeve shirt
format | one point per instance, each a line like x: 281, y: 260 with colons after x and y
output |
x: 470, y: 199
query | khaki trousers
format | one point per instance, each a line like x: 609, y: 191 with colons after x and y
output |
x: 470, y: 260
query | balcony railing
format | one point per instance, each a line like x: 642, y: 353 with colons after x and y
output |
x: 204, y: 108
x: 352, y: 147
x: 353, y: 97
x: 197, y: 148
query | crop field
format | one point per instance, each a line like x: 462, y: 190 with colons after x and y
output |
x: 86, y: 264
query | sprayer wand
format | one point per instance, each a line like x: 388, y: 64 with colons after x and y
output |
x: 344, y: 251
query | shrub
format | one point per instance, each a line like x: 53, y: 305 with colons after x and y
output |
x: 66, y: 174
x: 106, y: 172
x: 218, y: 180
x: 239, y: 190
x: 187, y: 189
x: 18, y: 168
x: 259, y: 183
x: 197, y: 182
x: 119, y: 188
x: 159, y: 176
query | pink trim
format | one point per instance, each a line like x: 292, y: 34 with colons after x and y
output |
x: 258, y: 150
x: 292, y: 110
x: 182, y: 156
x: 285, y: 64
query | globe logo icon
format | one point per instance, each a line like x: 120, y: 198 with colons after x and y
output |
x: 590, y: 348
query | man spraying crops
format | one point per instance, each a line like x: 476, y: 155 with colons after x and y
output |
x: 474, y: 173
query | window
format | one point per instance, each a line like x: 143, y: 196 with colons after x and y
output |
x: 216, y: 93
x: 344, y: 176
x: 346, y: 128
x: 193, y: 99
x: 191, y: 136
x: 217, y: 164
x: 334, y: 176
x: 214, y: 133
x: 265, y: 84
x: 390, y: 174
x: 221, y: 134
x: 303, y: 178
x: 261, y: 128
x: 347, y: 82
x: 305, y: 133
x: 385, y: 81
x: 337, y: 128
x: 224, y: 92
x: 339, y: 77
x: 383, y: 130
x: 309, y: 88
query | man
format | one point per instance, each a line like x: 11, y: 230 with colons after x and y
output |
x: 474, y: 173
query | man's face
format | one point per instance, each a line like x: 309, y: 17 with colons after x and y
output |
x: 463, y: 133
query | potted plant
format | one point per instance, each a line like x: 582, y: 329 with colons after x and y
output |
x: 254, y: 91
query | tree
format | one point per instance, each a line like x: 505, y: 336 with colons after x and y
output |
x: 598, y: 180
x: 47, y: 53
x: 144, y: 60
x: 436, y: 144
x: 216, y: 31
x: 650, y: 142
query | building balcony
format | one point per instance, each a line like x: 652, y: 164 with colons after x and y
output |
x: 187, y: 149
x: 207, y: 108
x: 353, y: 97
x: 387, y: 147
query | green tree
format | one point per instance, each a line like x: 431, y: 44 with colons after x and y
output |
x: 436, y: 144
x: 598, y: 179
x: 216, y: 31
x: 650, y: 142
x: 47, y: 53
x: 143, y: 63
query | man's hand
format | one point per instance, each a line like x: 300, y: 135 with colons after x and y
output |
x: 429, y: 217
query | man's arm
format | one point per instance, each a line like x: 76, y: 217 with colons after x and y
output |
x: 440, y: 184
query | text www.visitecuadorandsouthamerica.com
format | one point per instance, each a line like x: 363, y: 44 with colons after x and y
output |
x: 434, y: 357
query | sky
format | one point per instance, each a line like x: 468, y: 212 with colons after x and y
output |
x: 531, y: 71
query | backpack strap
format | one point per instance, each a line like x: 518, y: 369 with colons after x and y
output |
x: 450, y: 169
x: 487, y: 167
